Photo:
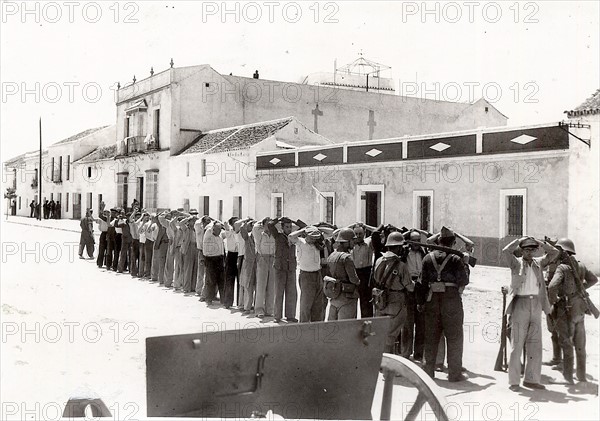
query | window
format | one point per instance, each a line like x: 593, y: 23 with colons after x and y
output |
x: 203, y: 167
x: 52, y: 171
x: 66, y: 202
x: 237, y: 206
x: 276, y: 205
x: 513, y: 212
x: 139, y: 190
x: 151, y: 190
x: 370, y: 200
x: 122, y: 189
x: 423, y: 210
x: 68, y: 166
x: 88, y: 200
x: 186, y: 205
x: 89, y: 172
x: 19, y: 202
x: 156, y: 127
x: 99, y: 202
x: 60, y: 164
x: 220, y: 210
x: 203, y: 207
x: 187, y: 169
x: 127, y: 126
x: 59, y: 199
x: 327, y: 207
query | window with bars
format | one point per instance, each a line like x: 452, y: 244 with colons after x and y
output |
x: 66, y: 202
x: 276, y: 205
x: 151, y: 190
x: 327, y: 211
x: 203, y: 167
x: 423, y: 210
x: 514, y: 215
x: 60, y: 164
x: 122, y: 187
x: 220, y: 210
x: 68, y: 167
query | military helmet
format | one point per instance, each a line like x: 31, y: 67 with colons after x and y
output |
x: 394, y: 239
x: 566, y: 245
x: 345, y: 235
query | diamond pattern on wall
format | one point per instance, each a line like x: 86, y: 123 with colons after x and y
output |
x: 523, y: 139
x: 275, y: 161
x: 439, y: 147
x: 373, y: 152
x: 320, y: 157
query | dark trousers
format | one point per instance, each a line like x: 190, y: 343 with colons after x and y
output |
x: 148, y: 252
x: 311, y: 297
x: 110, y: 251
x: 134, y: 257
x: 444, y: 313
x: 571, y: 334
x: 365, y: 292
x: 117, y: 251
x: 285, y: 292
x: 412, y: 336
x: 142, y: 259
x: 231, y: 273
x: 214, y: 277
x: 101, y: 249
x: 32, y: 212
x: 124, y: 254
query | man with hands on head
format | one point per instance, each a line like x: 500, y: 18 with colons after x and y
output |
x: 528, y: 298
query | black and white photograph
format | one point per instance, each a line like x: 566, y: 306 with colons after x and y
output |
x: 317, y: 210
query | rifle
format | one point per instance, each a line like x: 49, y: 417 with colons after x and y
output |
x: 581, y: 290
x: 472, y: 260
x: 501, y: 358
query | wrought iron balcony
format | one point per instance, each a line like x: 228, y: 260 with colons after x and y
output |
x: 138, y: 144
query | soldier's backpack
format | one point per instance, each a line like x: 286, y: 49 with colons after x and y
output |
x: 382, y: 278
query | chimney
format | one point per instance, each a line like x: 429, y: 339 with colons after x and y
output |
x: 255, y: 75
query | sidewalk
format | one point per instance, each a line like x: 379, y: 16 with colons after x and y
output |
x: 55, y: 224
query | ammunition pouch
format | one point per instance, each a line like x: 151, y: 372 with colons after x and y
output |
x: 380, y: 298
x: 437, y: 287
x: 348, y: 287
x: 332, y: 288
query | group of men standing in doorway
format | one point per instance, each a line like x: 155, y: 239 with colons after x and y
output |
x: 50, y: 209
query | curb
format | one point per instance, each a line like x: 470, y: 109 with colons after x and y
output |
x: 52, y: 228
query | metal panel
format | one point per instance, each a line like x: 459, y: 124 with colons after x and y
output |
x: 324, y: 370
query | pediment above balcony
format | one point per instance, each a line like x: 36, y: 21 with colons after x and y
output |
x: 137, y: 106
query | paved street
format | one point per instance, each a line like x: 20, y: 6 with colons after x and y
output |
x: 67, y: 326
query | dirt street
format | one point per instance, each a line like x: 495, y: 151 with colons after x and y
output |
x: 68, y: 328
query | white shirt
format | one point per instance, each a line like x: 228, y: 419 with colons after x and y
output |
x: 530, y: 286
x: 308, y: 256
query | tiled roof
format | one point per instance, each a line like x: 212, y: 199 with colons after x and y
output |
x: 589, y: 106
x: 207, y: 140
x: 79, y: 136
x: 16, y: 161
x: 241, y: 137
x: 249, y: 136
x: 99, y: 154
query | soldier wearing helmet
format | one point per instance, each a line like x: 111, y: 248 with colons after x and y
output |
x: 528, y: 298
x: 438, y: 296
x: 392, y: 281
x: 342, y: 270
x: 570, y: 309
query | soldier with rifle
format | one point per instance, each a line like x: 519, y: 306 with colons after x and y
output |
x: 550, y: 318
x: 567, y: 293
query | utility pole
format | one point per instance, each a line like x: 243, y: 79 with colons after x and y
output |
x: 40, y: 175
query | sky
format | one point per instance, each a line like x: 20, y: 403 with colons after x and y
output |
x: 61, y: 60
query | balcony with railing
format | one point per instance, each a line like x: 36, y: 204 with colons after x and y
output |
x: 140, y: 144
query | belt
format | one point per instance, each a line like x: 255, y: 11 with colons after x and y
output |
x: 397, y: 290
x: 531, y: 296
x: 448, y: 284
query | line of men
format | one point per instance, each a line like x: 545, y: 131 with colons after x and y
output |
x: 420, y: 291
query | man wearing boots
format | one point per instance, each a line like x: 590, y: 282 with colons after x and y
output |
x: 570, y: 308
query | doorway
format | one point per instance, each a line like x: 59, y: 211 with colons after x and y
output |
x: 370, y: 204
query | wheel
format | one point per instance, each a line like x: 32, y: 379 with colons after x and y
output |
x: 394, y: 366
